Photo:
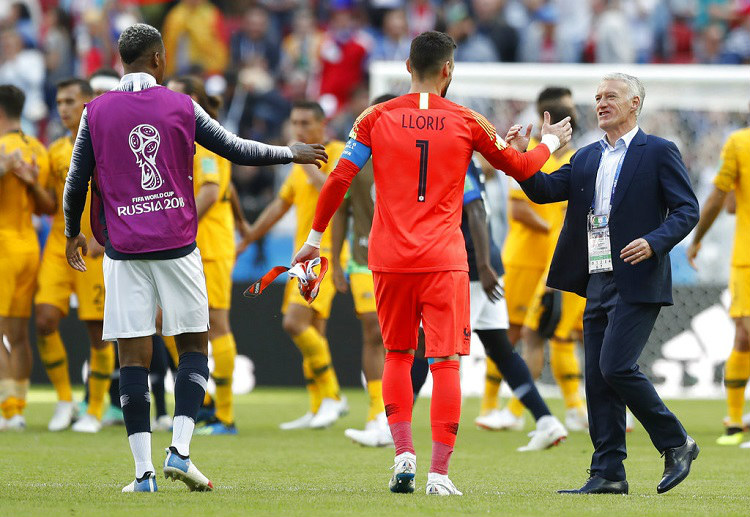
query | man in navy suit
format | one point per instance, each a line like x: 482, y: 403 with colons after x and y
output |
x: 629, y: 203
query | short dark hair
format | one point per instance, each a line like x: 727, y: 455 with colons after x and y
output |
x: 82, y: 84
x: 193, y: 85
x: 551, y: 94
x: 11, y: 100
x: 137, y: 40
x: 429, y: 51
x: 383, y: 98
x: 312, y: 106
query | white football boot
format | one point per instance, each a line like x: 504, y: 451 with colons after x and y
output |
x: 63, y: 416
x: 183, y: 469
x: 439, y: 484
x: 377, y: 433
x: 16, y: 423
x: 404, y: 469
x: 302, y: 422
x: 163, y: 423
x: 148, y: 484
x: 505, y: 420
x: 549, y: 432
x: 330, y: 410
x: 489, y: 421
x: 577, y: 420
x: 87, y: 424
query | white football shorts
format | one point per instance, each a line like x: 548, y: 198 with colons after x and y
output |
x: 485, y: 314
x: 135, y: 288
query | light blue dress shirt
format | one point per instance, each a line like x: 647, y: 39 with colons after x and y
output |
x: 609, y: 170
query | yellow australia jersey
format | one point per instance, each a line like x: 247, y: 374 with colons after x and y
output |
x: 60, y: 153
x: 216, y: 228
x: 16, y: 201
x: 299, y: 191
x: 734, y: 174
x: 523, y: 246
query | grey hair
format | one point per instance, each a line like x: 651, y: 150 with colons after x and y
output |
x: 635, y: 86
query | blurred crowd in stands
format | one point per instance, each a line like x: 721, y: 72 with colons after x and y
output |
x: 262, y: 55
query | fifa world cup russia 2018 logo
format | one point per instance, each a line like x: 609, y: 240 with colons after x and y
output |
x: 144, y: 142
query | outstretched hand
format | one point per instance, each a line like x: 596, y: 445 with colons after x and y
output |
x: 692, y: 253
x: 518, y: 141
x: 309, y: 153
x: 562, y: 130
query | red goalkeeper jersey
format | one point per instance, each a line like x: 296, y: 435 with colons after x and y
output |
x: 421, y: 145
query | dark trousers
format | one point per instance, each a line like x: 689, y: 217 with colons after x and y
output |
x: 614, y: 334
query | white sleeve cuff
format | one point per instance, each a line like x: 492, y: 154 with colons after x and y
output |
x: 552, y: 142
x: 314, y: 238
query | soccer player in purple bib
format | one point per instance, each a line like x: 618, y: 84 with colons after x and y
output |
x: 137, y: 143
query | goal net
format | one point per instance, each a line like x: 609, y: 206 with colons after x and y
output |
x: 696, y: 107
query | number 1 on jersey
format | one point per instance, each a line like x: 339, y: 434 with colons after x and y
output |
x: 424, y: 148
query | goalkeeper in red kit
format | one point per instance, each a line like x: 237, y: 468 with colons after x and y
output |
x: 421, y: 145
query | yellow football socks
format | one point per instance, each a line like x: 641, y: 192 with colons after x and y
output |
x: 516, y: 407
x: 492, y: 380
x: 312, y: 387
x: 7, y: 402
x: 567, y: 371
x: 55, y: 360
x: 736, y: 374
x: 100, y: 376
x: 375, y: 390
x: 314, y: 348
x: 224, y: 350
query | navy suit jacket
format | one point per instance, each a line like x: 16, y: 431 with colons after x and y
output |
x: 653, y: 199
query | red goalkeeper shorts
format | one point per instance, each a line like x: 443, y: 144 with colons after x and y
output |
x: 440, y: 300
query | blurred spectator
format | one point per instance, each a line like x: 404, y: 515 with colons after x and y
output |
x: 573, y: 26
x: 394, y: 43
x: 94, y: 45
x: 194, y: 38
x: 737, y: 46
x: 341, y: 124
x: 422, y: 16
x: 708, y: 12
x: 471, y: 45
x: 541, y: 42
x: 24, y: 68
x: 58, y: 51
x: 257, y: 109
x: 301, y: 48
x: 610, y: 40
x: 25, y: 23
x: 709, y: 48
x: 680, y: 42
x: 343, y: 57
x: 491, y: 22
x: 253, y: 41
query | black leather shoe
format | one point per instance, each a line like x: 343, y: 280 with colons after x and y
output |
x: 677, y: 464
x: 599, y: 485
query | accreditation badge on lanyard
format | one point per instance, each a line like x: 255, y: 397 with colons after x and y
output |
x: 600, y: 251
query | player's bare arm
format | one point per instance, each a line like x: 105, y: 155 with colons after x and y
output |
x: 476, y: 216
x: 316, y: 177
x: 710, y: 211
x: 522, y: 212
x: 240, y: 221
x: 338, y: 236
x: 266, y: 220
x: 28, y: 173
x: 208, y: 195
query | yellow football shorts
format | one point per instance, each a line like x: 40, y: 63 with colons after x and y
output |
x: 363, y: 292
x: 321, y: 305
x: 520, y: 286
x: 18, y: 271
x: 571, y: 314
x: 219, y: 282
x: 739, y: 288
x: 57, y: 281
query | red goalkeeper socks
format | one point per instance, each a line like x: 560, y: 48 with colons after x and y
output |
x: 445, y: 412
x: 398, y: 398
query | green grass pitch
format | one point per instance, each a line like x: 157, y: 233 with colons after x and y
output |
x: 264, y: 471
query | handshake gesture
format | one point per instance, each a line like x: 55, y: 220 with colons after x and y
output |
x: 562, y: 130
